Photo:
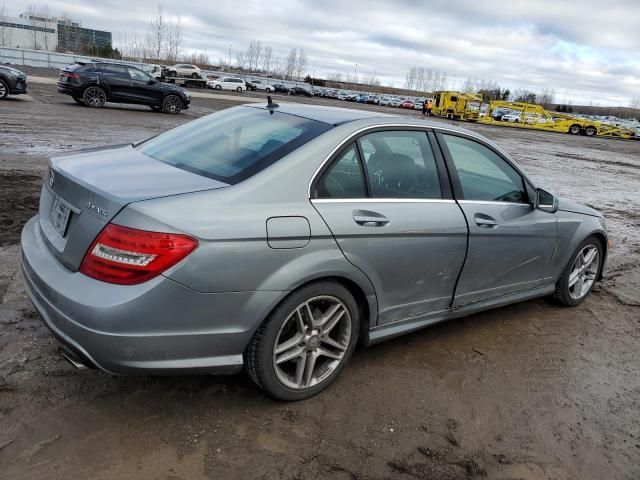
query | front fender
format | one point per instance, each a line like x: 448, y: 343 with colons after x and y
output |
x: 573, y: 229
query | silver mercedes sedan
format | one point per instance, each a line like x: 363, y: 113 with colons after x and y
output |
x: 278, y: 238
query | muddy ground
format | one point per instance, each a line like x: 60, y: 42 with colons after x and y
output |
x: 530, y: 391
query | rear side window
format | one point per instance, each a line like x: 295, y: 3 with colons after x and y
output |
x: 483, y: 174
x: 344, y: 179
x: 401, y: 165
x: 232, y: 145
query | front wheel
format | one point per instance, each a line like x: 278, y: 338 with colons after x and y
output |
x: 94, y: 97
x: 581, y: 273
x: 305, y: 342
x: 195, y: 75
x: 574, y: 129
x: 218, y: 87
x: 172, y: 104
x: 268, y: 90
x: 590, y: 131
x: 239, y: 89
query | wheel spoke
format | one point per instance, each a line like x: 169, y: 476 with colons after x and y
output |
x: 590, y: 256
x: 302, y: 361
x: 302, y: 328
x: 308, y: 368
x: 329, y: 353
x: 312, y: 320
x: 292, y: 342
x: 332, y: 319
x: 289, y: 355
x: 573, y: 278
x: 578, y: 287
x: 331, y: 342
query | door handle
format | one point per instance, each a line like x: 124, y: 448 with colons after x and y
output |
x: 371, y: 221
x: 485, y: 221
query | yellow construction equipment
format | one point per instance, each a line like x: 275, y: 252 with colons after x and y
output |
x: 470, y: 107
x: 457, y: 105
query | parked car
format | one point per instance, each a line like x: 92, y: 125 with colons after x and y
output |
x: 512, y: 117
x: 280, y: 88
x: 261, y: 85
x: 333, y: 94
x: 372, y: 100
x: 249, y: 84
x: 418, y: 105
x: 362, y: 98
x: 272, y: 256
x: 94, y: 84
x: 184, y: 70
x: 300, y: 91
x: 227, y: 83
x: 384, y: 101
x: 408, y: 104
x: 499, y: 112
x: 395, y: 102
x: 12, y: 81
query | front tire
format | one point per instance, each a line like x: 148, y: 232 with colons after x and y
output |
x: 590, y: 131
x: 268, y: 90
x: 218, y: 87
x: 172, y: 104
x: 94, y: 97
x: 304, y: 344
x: 580, y: 274
x: 195, y: 75
x: 574, y: 129
x: 239, y: 89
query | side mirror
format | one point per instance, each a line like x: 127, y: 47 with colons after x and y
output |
x: 545, y: 201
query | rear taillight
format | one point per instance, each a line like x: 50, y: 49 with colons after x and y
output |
x: 70, y: 75
x: 127, y: 256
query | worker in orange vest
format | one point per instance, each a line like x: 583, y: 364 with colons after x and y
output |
x: 429, y: 107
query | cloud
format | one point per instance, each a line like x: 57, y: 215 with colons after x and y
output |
x: 586, y: 50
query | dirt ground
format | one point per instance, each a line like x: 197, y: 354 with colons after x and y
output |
x: 529, y: 391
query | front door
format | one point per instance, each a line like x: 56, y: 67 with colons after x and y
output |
x: 141, y: 89
x: 511, y: 244
x: 387, y: 203
x: 118, y: 81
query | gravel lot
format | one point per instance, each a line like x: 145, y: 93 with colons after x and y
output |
x: 530, y: 391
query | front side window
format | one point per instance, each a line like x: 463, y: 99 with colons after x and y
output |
x: 232, y: 145
x: 483, y: 174
x: 139, y: 75
x: 400, y: 164
x: 344, y: 179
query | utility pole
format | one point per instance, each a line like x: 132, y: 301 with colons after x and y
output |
x: 355, y: 80
x: 229, y: 64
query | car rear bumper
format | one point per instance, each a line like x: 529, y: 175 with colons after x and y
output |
x: 157, y: 327
x: 67, y: 89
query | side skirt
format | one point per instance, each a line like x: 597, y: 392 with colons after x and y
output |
x: 395, y: 329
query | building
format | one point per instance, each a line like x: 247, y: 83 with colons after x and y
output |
x: 50, y: 34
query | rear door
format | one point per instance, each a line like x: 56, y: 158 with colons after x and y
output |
x: 117, y: 80
x: 386, y: 199
x: 511, y: 243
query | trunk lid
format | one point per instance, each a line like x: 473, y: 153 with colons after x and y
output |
x: 84, y: 190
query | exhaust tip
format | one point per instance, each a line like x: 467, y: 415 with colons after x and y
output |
x: 69, y: 357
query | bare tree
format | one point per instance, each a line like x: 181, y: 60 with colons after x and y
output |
x: 291, y: 63
x: 174, y: 38
x: 158, y: 32
x: 547, y: 96
x: 254, y: 52
x: 241, y: 61
x: 411, y: 78
x: 635, y: 103
x: 5, y: 33
x: 301, y: 63
x: 267, y: 54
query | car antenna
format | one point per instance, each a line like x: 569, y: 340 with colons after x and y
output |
x: 270, y: 105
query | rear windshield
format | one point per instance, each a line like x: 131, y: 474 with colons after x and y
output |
x: 232, y: 145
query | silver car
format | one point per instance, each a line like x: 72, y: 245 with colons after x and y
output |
x: 279, y: 238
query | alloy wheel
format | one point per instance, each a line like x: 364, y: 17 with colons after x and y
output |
x: 95, y: 97
x: 3, y: 90
x: 312, y: 342
x: 172, y: 104
x: 584, y: 271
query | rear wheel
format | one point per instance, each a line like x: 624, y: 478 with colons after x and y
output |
x: 94, y: 97
x: 305, y: 342
x: 195, y: 75
x: 590, y: 131
x: 218, y: 87
x: 172, y: 104
x: 4, y: 89
x: 580, y: 274
x: 239, y: 89
x: 268, y: 90
x: 574, y: 129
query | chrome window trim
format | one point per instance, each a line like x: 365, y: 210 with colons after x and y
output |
x: 382, y: 200
x: 494, y: 202
x: 423, y: 127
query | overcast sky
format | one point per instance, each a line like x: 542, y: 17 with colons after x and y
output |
x: 587, y: 50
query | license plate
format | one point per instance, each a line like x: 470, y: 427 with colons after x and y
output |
x: 60, y: 213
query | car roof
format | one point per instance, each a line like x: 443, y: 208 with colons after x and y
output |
x: 331, y: 115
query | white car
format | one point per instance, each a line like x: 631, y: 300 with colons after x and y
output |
x: 227, y: 83
x: 267, y: 87
x: 396, y: 102
x: 511, y: 117
x: 184, y: 70
x: 384, y: 101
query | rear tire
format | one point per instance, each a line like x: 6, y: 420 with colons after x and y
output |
x: 308, y: 360
x: 218, y: 87
x: 239, y: 89
x: 590, y: 131
x: 94, y: 97
x: 579, y: 277
x: 172, y: 104
x: 195, y: 75
x: 4, y: 89
x: 268, y: 90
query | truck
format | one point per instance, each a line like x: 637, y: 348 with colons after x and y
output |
x: 456, y: 105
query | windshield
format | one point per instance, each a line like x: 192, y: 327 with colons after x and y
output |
x: 232, y: 145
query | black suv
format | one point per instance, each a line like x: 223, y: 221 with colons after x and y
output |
x: 12, y: 81
x: 300, y: 91
x: 93, y: 84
